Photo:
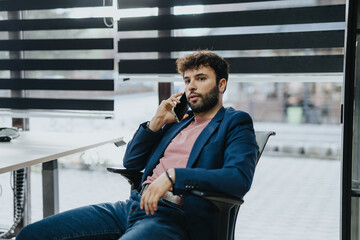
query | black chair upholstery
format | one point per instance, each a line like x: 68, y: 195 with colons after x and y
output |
x: 227, y: 206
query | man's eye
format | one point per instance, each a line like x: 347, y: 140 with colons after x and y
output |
x: 201, y: 78
x: 187, y: 81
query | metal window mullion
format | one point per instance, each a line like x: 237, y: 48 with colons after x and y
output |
x: 348, y: 111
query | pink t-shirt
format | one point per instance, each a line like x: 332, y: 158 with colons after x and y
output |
x: 177, y: 153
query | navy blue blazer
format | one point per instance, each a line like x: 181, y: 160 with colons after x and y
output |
x: 222, y: 159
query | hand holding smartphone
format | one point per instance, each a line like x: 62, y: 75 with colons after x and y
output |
x: 181, y: 108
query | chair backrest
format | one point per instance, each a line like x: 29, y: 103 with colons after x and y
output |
x: 232, y: 210
x: 261, y: 139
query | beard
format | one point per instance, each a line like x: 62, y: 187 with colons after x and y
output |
x: 206, y: 102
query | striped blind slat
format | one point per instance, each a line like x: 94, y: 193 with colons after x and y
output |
x: 321, y: 39
x: 59, y: 104
x: 15, y: 5
x: 247, y: 65
x: 56, y: 44
x: 57, y: 64
x: 123, y: 4
x: 322, y: 14
x: 57, y: 84
x: 53, y: 24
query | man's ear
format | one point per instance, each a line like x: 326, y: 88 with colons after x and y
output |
x: 222, y: 85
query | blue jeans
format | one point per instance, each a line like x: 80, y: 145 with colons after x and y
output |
x: 120, y: 220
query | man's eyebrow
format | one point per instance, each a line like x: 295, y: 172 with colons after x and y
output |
x: 197, y: 75
x: 200, y: 74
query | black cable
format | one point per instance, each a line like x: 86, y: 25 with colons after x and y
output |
x: 18, y: 187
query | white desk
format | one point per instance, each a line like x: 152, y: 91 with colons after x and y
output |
x: 38, y: 147
x: 45, y: 147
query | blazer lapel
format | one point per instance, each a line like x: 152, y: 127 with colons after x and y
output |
x: 171, y: 134
x: 204, y: 137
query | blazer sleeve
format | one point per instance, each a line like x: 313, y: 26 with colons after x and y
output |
x: 235, y: 176
x: 140, y: 147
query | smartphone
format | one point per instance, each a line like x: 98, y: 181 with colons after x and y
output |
x: 181, y: 108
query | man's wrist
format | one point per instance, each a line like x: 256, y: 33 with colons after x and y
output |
x: 170, y: 173
x: 154, y: 125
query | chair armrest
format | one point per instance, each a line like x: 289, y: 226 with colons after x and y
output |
x: 133, y: 177
x: 218, y: 198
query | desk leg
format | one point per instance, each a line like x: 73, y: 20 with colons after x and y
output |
x: 50, y: 177
x: 27, y: 217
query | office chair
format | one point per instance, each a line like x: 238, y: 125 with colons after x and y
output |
x: 227, y: 206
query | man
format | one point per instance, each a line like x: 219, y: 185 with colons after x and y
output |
x: 212, y: 149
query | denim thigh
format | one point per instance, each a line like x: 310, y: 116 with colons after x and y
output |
x: 120, y: 220
x: 168, y: 222
x: 102, y: 221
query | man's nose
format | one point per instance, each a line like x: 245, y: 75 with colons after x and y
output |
x: 192, y: 85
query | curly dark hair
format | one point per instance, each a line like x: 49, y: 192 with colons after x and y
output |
x: 204, y: 58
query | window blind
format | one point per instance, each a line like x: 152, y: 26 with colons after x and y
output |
x: 68, y: 64
x: 312, y: 30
